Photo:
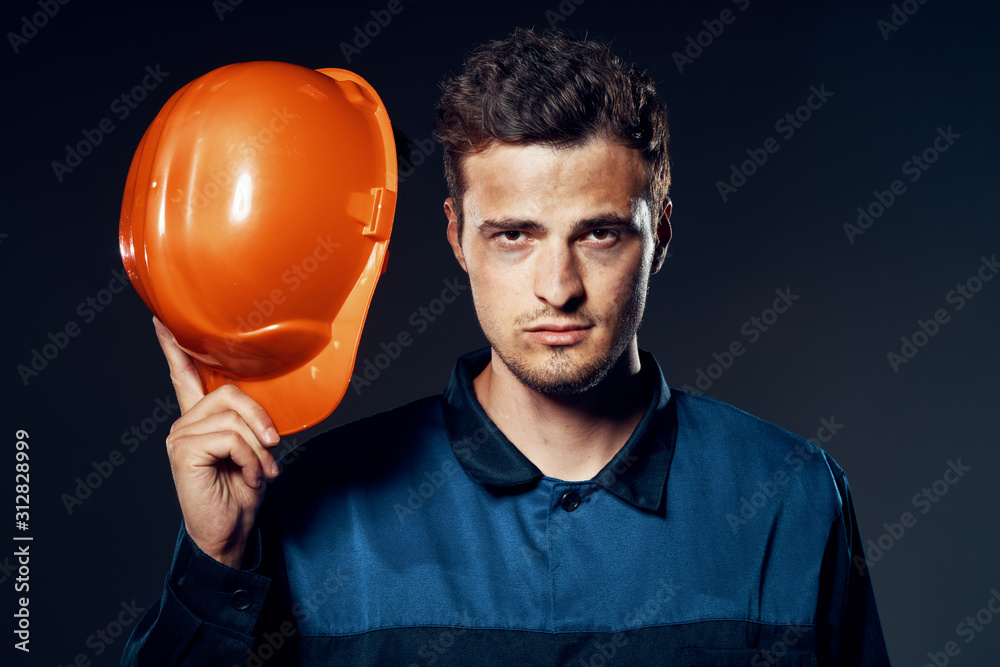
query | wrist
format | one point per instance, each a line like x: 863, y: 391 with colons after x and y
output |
x: 231, y: 559
x: 230, y: 553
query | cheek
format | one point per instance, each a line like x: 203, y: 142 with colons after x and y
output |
x: 494, y: 280
x: 615, y: 282
x: 488, y: 293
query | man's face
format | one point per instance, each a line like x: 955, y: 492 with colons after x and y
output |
x: 558, y: 245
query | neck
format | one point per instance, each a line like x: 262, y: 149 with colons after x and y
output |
x: 567, y: 437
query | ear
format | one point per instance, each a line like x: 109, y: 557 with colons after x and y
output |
x: 663, y: 234
x: 453, y: 238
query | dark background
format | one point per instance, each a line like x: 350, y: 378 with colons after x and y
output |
x: 826, y: 358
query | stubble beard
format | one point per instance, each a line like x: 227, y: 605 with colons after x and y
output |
x: 558, y: 374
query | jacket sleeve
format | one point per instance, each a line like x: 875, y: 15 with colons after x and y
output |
x: 206, y: 614
x: 851, y: 634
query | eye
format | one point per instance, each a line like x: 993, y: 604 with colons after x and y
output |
x: 511, y: 238
x: 602, y: 237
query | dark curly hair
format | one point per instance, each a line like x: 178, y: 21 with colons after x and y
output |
x: 550, y: 88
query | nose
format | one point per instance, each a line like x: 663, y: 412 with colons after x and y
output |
x: 558, y: 278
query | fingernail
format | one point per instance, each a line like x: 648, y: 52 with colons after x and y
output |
x: 270, y: 435
x: 274, y: 468
x: 162, y: 330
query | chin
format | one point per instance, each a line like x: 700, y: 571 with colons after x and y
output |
x: 555, y: 370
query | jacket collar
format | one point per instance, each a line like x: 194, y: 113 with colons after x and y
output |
x: 637, y: 474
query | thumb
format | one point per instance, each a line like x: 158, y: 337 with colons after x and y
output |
x: 183, y: 373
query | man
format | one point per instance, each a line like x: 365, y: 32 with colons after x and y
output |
x: 558, y: 504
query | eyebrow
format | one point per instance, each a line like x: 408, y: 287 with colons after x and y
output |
x: 510, y: 224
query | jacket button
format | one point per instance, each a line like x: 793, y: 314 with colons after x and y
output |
x: 241, y: 600
x: 570, y: 501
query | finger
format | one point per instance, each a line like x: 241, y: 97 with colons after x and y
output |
x: 208, y: 450
x: 230, y: 421
x: 183, y: 373
x: 231, y: 397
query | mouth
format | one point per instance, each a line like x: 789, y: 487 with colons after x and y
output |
x: 558, y: 334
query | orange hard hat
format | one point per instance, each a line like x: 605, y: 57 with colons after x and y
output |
x: 254, y: 224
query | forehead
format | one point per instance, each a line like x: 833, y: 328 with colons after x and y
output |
x: 545, y: 183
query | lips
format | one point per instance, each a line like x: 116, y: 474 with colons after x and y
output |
x: 558, y: 334
x: 558, y: 327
